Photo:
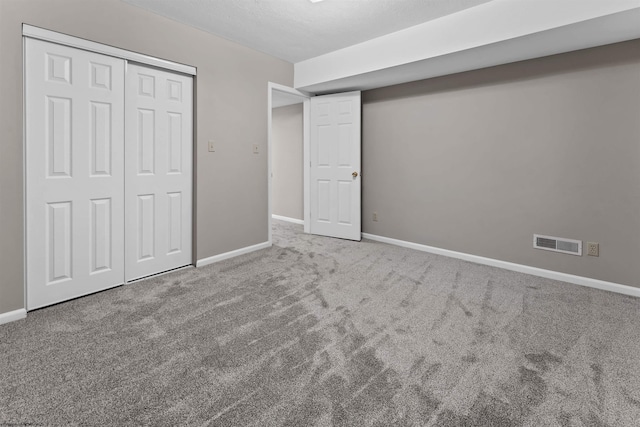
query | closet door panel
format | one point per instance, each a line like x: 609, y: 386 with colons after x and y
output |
x: 158, y: 171
x: 74, y: 172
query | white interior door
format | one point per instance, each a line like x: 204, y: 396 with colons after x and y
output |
x: 158, y: 171
x: 74, y: 172
x: 335, y: 185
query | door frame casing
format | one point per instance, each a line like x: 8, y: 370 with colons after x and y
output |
x: 305, y: 101
x: 30, y: 31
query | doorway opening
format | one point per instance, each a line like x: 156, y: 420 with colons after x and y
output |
x: 290, y: 108
x: 331, y: 134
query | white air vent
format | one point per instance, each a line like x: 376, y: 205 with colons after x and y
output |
x: 557, y: 244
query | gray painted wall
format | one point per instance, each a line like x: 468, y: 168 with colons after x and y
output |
x: 287, y: 157
x: 231, y: 103
x: 480, y: 161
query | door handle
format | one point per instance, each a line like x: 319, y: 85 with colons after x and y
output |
x: 355, y: 174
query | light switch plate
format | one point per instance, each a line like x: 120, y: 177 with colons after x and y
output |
x: 255, y: 149
x: 212, y: 147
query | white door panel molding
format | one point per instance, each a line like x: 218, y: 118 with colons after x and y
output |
x: 158, y: 171
x: 74, y: 172
x: 335, y: 181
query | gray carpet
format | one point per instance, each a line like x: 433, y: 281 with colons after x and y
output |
x: 319, y: 331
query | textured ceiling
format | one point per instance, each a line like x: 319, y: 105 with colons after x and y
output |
x: 295, y: 30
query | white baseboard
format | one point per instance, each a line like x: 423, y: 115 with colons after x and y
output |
x: 227, y: 255
x: 286, y: 218
x: 11, y: 316
x: 534, y: 271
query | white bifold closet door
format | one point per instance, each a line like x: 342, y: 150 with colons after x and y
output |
x: 158, y: 171
x: 108, y: 172
x: 75, y: 172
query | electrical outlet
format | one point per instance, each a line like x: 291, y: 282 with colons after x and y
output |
x: 212, y: 147
x: 255, y: 149
x: 375, y: 216
x: 593, y: 249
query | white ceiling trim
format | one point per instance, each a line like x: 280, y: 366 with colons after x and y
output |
x: 494, y: 33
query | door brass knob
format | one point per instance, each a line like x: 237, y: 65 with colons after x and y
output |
x: 355, y: 174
